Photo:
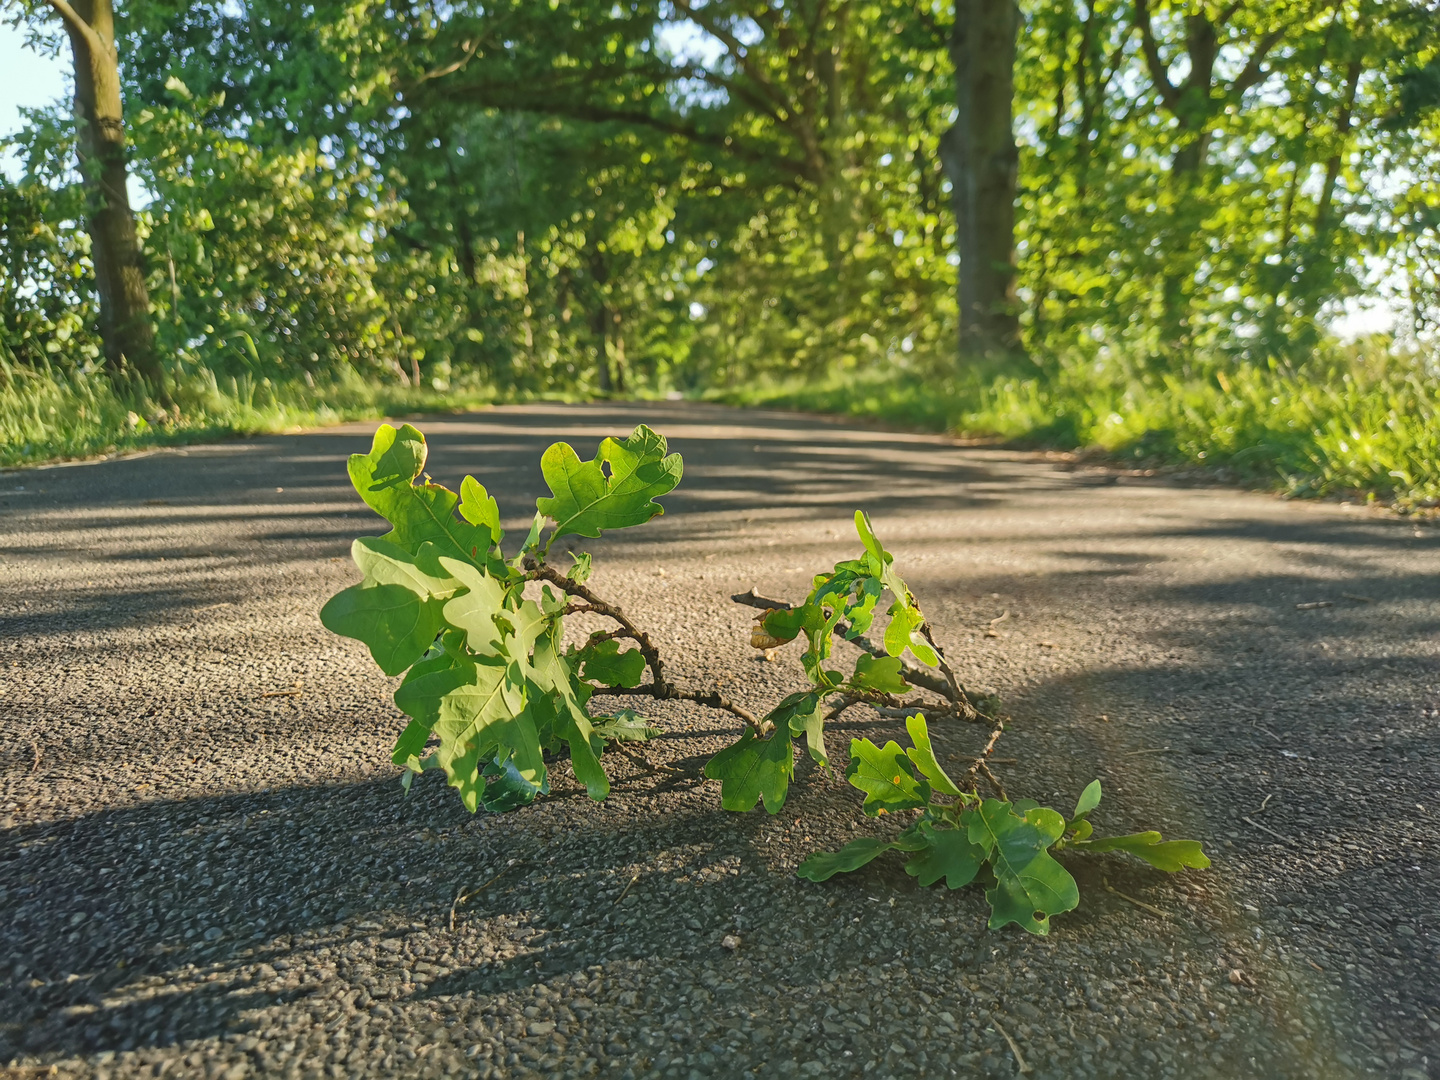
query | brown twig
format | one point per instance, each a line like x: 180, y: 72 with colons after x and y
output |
x: 1138, y: 903
x: 538, y: 571
x: 980, y: 766
x: 464, y: 897
x: 754, y: 599
x: 957, y: 692
x: 994, y: 781
x: 658, y: 687
x: 670, y: 692
x: 1265, y: 828
x: 1019, y: 1057
x: 626, y: 891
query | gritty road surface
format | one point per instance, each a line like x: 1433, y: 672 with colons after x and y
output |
x: 207, y: 868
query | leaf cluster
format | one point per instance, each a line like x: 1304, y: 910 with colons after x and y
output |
x: 494, y: 694
x: 489, y: 685
x: 1005, y: 846
x: 842, y: 603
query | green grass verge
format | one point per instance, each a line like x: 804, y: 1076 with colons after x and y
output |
x: 52, y: 415
x: 1364, y: 423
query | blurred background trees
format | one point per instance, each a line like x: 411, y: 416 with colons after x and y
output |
x: 576, y: 196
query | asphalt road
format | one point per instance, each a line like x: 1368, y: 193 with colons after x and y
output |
x: 208, y: 869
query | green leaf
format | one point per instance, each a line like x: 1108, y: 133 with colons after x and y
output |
x: 580, y: 572
x: 879, y: 673
x: 905, y: 616
x: 923, y: 756
x: 586, y: 501
x: 418, y: 513
x: 752, y: 769
x: 1089, y: 800
x: 478, y: 507
x: 521, y: 626
x: 1171, y: 856
x: 1030, y: 885
x: 885, y: 775
x: 482, y: 718
x: 384, y: 563
x: 786, y: 624
x: 626, y: 726
x: 419, y: 698
x: 396, y: 624
x: 475, y: 609
x: 904, y: 632
x: 604, y: 663
x: 532, y: 540
x: 506, y: 788
x: 868, y: 538
x: 552, y: 674
x: 860, y: 610
x: 802, y: 714
x: 949, y: 853
x: 824, y: 865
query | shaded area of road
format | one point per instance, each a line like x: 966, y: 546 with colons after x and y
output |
x: 205, y: 861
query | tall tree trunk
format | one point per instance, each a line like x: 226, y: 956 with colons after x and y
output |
x: 1323, y: 222
x: 600, y: 322
x: 125, y: 327
x: 980, y: 158
x: 617, y: 347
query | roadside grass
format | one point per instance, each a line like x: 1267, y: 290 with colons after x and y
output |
x: 53, y: 414
x: 1362, y: 421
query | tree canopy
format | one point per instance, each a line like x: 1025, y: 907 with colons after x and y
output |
x: 585, y: 195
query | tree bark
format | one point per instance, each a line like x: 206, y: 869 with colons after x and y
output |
x: 600, y: 319
x: 979, y: 156
x: 125, y: 327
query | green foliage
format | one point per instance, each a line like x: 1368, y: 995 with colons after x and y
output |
x: 625, y: 726
x: 57, y: 411
x: 755, y: 768
x: 1006, y: 846
x: 1365, y: 419
x: 485, y: 673
x: 611, y: 491
x: 492, y: 692
x: 694, y: 205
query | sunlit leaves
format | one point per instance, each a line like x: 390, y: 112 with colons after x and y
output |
x: 1168, y: 855
x: 754, y: 769
x: 418, y: 513
x: 922, y: 755
x: 1005, y: 846
x: 886, y: 776
x: 391, y: 620
x: 1089, y: 800
x: 474, y: 611
x: 613, y: 490
x: 478, y: 507
x: 489, y: 690
x: 882, y: 674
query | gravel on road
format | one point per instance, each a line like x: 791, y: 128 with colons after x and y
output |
x: 208, y: 869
